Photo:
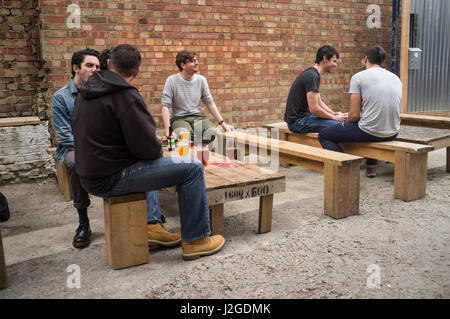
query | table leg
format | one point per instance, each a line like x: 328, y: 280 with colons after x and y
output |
x: 216, y: 218
x: 448, y: 159
x: 3, y: 275
x: 265, y: 214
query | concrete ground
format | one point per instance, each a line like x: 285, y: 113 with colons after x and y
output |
x: 392, y: 249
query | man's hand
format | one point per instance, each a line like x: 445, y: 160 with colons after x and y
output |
x: 340, y: 117
x: 227, y: 128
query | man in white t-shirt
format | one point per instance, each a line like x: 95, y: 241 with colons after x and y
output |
x: 181, y: 100
x: 375, y: 103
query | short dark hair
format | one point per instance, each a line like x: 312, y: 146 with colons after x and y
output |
x: 125, y: 59
x: 78, y: 58
x: 326, y: 51
x: 104, y: 56
x: 183, y: 57
x: 376, y: 55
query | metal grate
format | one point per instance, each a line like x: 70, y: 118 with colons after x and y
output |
x: 429, y: 86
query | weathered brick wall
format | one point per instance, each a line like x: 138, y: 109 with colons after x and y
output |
x: 250, y: 51
x: 23, y: 155
x: 21, y: 72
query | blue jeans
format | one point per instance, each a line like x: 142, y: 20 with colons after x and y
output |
x: 310, y: 123
x: 153, y: 208
x: 348, y: 132
x: 187, y: 173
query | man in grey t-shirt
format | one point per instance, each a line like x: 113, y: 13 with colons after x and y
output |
x: 374, y: 108
x: 181, y: 100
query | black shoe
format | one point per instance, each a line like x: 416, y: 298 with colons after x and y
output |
x: 82, y: 236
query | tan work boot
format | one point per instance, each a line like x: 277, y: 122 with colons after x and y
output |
x: 202, y: 247
x: 158, y: 234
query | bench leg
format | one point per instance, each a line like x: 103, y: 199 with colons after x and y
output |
x: 283, y: 137
x: 126, y: 233
x: 63, y: 180
x: 341, y: 190
x: 448, y: 159
x: 3, y: 274
x: 265, y: 214
x: 410, y: 176
x: 216, y: 219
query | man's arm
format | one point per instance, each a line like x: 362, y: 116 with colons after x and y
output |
x: 355, y: 108
x: 165, y: 114
x: 326, y: 107
x: 61, y: 122
x: 216, y: 114
x: 317, y: 107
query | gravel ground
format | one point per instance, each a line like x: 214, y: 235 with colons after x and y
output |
x: 392, y: 249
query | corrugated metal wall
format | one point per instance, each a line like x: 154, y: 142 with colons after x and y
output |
x: 429, y: 87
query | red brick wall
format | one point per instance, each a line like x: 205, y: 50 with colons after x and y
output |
x: 21, y: 71
x: 250, y: 51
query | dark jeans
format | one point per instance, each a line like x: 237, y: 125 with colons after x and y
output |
x: 310, y: 123
x: 79, y: 194
x: 187, y: 173
x: 348, y: 132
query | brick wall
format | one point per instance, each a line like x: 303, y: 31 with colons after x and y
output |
x: 250, y: 51
x: 21, y: 73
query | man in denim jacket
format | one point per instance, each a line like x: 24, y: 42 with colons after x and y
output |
x: 83, y: 64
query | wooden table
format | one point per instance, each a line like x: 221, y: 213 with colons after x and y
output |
x: 228, y: 181
x: 438, y: 138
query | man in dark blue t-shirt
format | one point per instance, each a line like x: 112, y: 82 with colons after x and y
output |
x: 305, y: 110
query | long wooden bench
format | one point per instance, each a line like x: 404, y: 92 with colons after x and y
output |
x: 3, y: 274
x: 62, y: 177
x: 341, y: 171
x: 425, y: 120
x: 410, y: 159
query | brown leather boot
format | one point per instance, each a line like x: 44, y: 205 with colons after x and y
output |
x: 158, y: 234
x: 202, y: 247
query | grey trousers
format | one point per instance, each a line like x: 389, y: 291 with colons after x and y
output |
x: 79, y: 194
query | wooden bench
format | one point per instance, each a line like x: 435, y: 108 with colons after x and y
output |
x: 62, y: 177
x: 410, y: 159
x: 438, y: 138
x: 431, y: 121
x: 341, y: 171
x: 3, y: 274
x: 126, y: 230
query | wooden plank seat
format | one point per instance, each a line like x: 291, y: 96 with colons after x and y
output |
x: 410, y: 159
x: 432, y: 121
x: 126, y: 230
x: 341, y: 171
x: 62, y: 177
